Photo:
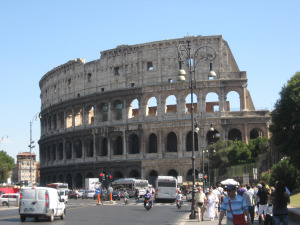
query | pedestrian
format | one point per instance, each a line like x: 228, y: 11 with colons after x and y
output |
x: 233, y: 205
x: 211, y: 200
x: 263, y: 194
x: 217, y: 193
x: 249, y: 199
x: 280, y: 199
x: 200, y: 200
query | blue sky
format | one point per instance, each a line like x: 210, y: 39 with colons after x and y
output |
x: 37, y: 36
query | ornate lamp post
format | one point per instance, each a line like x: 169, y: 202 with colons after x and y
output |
x: 205, y: 53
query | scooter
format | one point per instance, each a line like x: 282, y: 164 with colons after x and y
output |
x: 179, y: 204
x: 148, y: 205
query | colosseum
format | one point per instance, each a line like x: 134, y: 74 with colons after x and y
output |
x: 127, y: 115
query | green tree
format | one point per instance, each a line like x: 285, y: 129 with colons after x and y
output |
x: 285, y: 125
x: 258, y: 146
x: 286, y: 172
x: 239, y: 153
x: 6, y: 164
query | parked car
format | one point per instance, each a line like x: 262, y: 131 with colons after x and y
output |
x: 89, y: 194
x: 116, y: 195
x: 11, y: 199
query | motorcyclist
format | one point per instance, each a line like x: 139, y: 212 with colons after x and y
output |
x: 137, y: 193
x: 148, y: 196
x: 179, y: 197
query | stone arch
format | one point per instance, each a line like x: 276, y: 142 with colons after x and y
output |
x: 189, y: 175
x: 60, y: 151
x: 133, y: 110
x: 172, y: 142
x: 49, y: 180
x: 133, y: 144
x: 118, y: 107
x: 89, y: 148
x: 151, y: 107
x: 69, y: 118
x: 90, y: 115
x: 68, y: 150
x: 89, y: 175
x: 78, y: 116
x: 60, y: 178
x: 53, y: 180
x: 188, y: 104
x: 212, y: 136
x: 118, y: 145
x: 134, y: 174
x: 54, y: 152
x: 233, y: 101
x: 235, y: 135
x: 212, y: 102
x: 172, y: 173
x: 152, y: 177
x: 256, y: 133
x: 78, y: 148
x: 69, y: 181
x: 78, y: 181
x: 152, y: 147
x: 118, y: 175
x: 189, y: 140
x: 103, y: 148
x: 103, y: 112
x: 171, y: 104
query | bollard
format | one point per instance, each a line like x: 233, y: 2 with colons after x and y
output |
x: 110, y: 196
x: 98, y: 198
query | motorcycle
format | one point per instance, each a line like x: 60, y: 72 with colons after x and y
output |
x: 126, y: 200
x: 179, y: 203
x: 148, y: 204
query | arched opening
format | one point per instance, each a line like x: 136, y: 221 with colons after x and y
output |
x: 78, y: 149
x: 189, y: 175
x: 134, y: 174
x: 69, y: 181
x: 235, y: 135
x: 151, y: 108
x: 78, y: 116
x: 152, y: 143
x: 53, y: 179
x: 189, y: 140
x: 188, y: 104
x: 69, y: 120
x: 171, y: 142
x: 118, y: 175
x: 104, y: 109
x: 256, y: 133
x: 60, y: 178
x: 91, y: 115
x: 54, y: 151
x: 212, y: 103
x: 171, y: 104
x: 212, y: 136
x: 133, y: 110
x: 173, y: 173
x: 152, y: 177
x: 118, y: 146
x: 60, y: 151
x: 103, y: 147
x: 118, y: 110
x: 90, y: 148
x: 233, y: 101
x: 78, y: 181
x: 90, y: 175
x: 134, y: 146
x: 69, y: 150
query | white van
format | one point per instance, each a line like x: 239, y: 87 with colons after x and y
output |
x: 166, y: 188
x: 64, y: 194
x: 41, y: 202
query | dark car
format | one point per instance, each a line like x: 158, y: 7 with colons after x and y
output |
x: 116, y: 195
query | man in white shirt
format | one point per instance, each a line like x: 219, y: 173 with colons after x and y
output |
x: 200, y: 202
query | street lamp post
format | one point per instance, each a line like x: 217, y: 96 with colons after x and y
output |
x: 205, y: 53
x: 31, y: 146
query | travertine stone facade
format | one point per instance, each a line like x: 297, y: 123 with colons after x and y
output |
x: 115, y: 115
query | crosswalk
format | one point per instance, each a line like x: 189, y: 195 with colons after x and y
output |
x: 121, y: 204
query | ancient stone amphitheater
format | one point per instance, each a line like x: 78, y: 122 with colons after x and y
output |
x: 126, y: 114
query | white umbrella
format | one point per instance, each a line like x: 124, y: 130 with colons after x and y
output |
x: 230, y: 182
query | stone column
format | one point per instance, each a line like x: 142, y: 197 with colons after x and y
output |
x: 246, y: 135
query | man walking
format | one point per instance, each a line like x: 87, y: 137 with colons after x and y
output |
x: 249, y: 199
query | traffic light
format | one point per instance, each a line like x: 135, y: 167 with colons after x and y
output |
x: 205, y: 178
x: 101, y: 176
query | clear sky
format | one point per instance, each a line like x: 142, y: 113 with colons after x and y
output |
x: 36, y: 36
